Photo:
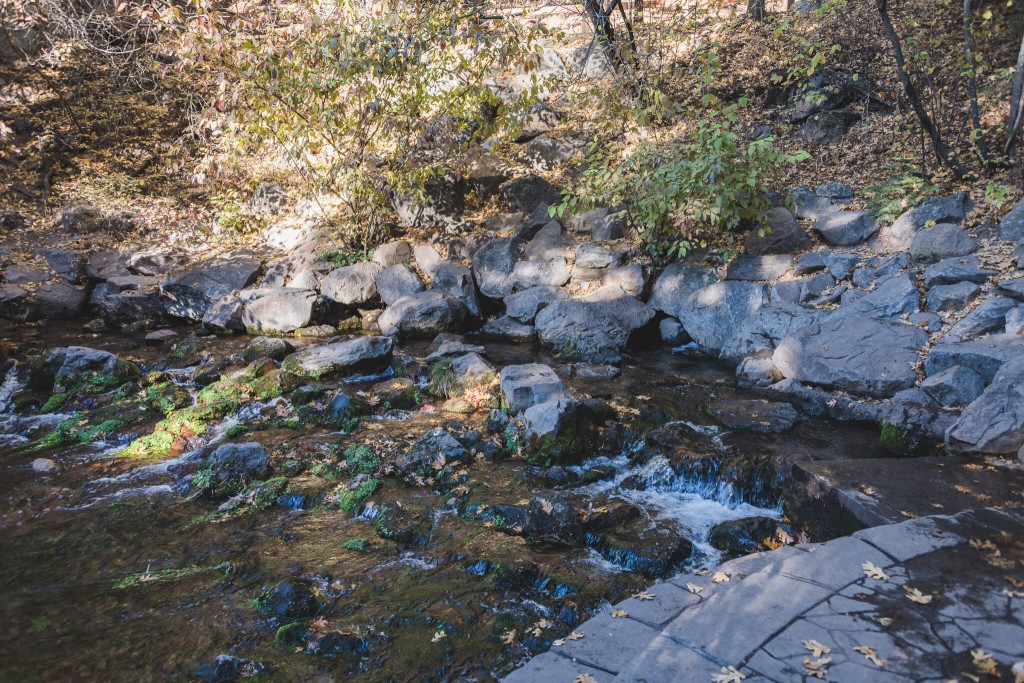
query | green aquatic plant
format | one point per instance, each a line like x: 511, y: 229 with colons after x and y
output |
x: 351, y: 500
x: 361, y: 460
x: 168, y: 575
x: 359, y: 545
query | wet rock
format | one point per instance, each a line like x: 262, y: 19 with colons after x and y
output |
x: 429, y: 455
x: 952, y: 209
x: 984, y: 356
x: 816, y: 402
x: 73, y: 366
x: 757, y: 371
x: 160, y: 337
x: 941, y: 242
x: 457, y: 280
x: 890, y: 299
x: 755, y: 415
x: 988, y: 316
x: 523, y: 386
x: 561, y: 430
x: 758, y: 268
x: 744, y: 536
x: 423, y: 314
x: 783, y: 235
x: 239, y: 463
x: 527, y: 192
x: 1011, y: 227
x: 912, y: 420
x: 339, y: 406
x: 56, y: 300
x: 493, y: 264
x: 191, y: 294
x: 352, y: 285
x: 951, y: 297
x: 994, y: 422
x: 641, y: 548
x: 133, y: 307
x: 266, y: 347
x: 591, y: 370
x: 953, y: 270
x: 860, y: 355
x: 279, y: 311
x: 364, y: 354
x: 396, y: 282
x: 292, y: 598
x: 226, y: 668
x: 67, y: 265
x: 846, y: 228
x: 399, y: 523
x: 552, y: 521
x: 608, y: 516
x: 337, y: 643
x: 507, y: 329
x: 582, y: 330
x: 956, y: 386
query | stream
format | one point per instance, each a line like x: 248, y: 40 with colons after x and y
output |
x: 114, y: 569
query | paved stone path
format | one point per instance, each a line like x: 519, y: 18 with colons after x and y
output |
x: 968, y: 569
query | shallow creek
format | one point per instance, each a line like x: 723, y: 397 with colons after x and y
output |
x: 86, y: 592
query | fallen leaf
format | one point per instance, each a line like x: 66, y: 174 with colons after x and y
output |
x: 728, y: 674
x: 584, y: 678
x: 984, y: 663
x: 873, y: 571
x: 1018, y: 672
x: 917, y: 596
x: 816, y: 667
x: 884, y: 621
x: 509, y: 637
x: 870, y: 654
x: 546, y: 506
x: 703, y: 572
x: 438, y: 636
x: 1015, y: 582
x: 979, y: 545
x: 558, y: 643
x: 644, y: 596
x: 619, y: 614
x: 720, y: 577
x: 574, y: 636
x: 694, y: 588
x: 816, y: 648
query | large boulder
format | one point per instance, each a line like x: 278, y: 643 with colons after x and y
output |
x: 940, y: 242
x: 523, y: 386
x: 239, y: 463
x: 859, y: 355
x: 59, y: 300
x: 363, y: 354
x: 782, y: 235
x: 562, y: 430
x: 1011, y: 227
x: 131, y: 307
x: 457, y: 280
x: 984, y: 356
x: 508, y: 329
x: 527, y: 192
x: 723, y: 318
x: 994, y: 422
x: 551, y: 520
x: 846, y: 228
x: 429, y: 455
x: 955, y: 386
x: 890, y: 299
x: 951, y: 297
x: 551, y: 241
x: 493, y: 264
x: 66, y: 264
x: 352, y: 285
x: 953, y: 270
x: 191, y: 294
x: 423, y: 314
x: 678, y: 282
x: 552, y: 273
x: 988, y: 316
x: 758, y: 268
x: 280, y: 311
x: 524, y: 305
x: 392, y: 253
x: 80, y: 366
x: 951, y: 209
x: 471, y: 370
x: 397, y: 281
x: 582, y: 331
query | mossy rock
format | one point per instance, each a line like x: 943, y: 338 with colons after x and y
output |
x: 361, y: 460
x: 352, y: 500
x: 291, y: 635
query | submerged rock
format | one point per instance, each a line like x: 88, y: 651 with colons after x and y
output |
x: 292, y: 598
x: 755, y: 415
x: 551, y: 520
x: 242, y: 462
x: 226, y: 668
x: 429, y: 455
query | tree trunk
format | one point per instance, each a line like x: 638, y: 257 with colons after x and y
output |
x: 756, y: 10
x: 1016, y: 105
x: 972, y: 83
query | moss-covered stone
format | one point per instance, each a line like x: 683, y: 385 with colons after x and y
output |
x: 350, y: 501
x: 291, y: 635
x: 893, y: 439
x: 361, y: 460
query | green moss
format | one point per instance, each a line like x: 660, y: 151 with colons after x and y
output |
x: 149, y: 446
x: 235, y: 431
x: 98, y: 382
x: 167, y: 575
x: 892, y: 438
x: 361, y: 460
x: 72, y: 431
x: 327, y: 471
x: 359, y: 545
x: 290, y: 635
x: 442, y: 378
x: 351, y: 501
x: 166, y: 398
x: 54, y: 403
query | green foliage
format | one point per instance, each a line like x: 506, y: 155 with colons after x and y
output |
x: 360, y: 545
x: 442, y: 378
x: 231, y: 215
x: 351, y: 500
x: 361, y: 460
x: 346, y: 258
x: 77, y: 430
x: 202, y: 480
x: 290, y: 636
x: 902, y: 190
x: 997, y: 194
x: 168, y: 575
x: 327, y: 471
x: 54, y: 403
x: 893, y: 439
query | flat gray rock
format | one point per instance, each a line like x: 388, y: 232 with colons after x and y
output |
x: 956, y: 386
x: 190, y: 294
x: 423, y: 314
x: 890, y: 299
x: 782, y: 235
x: 352, y: 285
x: 392, y: 253
x: 983, y: 356
x: 551, y: 241
x: 508, y: 329
x: 363, y: 354
x: 846, y: 228
x: 595, y: 256
x: 951, y: 209
x: 582, y: 331
x: 988, y: 316
x: 629, y: 278
x: 758, y: 268
x: 395, y: 282
x: 524, y: 305
x: 953, y: 270
x: 552, y: 273
x: 281, y: 311
x: 940, y: 242
x: 678, y: 281
x: 492, y: 267
x: 956, y: 297
x: 524, y: 386
x: 1013, y: 287
x: 994, y: 422
x: 1011, y: 227
x: 860, y: 355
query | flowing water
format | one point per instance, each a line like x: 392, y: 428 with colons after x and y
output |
x: 89, y: 591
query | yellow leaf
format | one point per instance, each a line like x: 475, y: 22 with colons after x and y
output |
x: 694, y: 588
x: 584, y: 678
x: 728, y: 674
x: 510, y: 637
x: 619, y: 614
x: 870, y: 654
x: 438, y: 636
x: 816, y: 648
x: 984, y: 663
x: 979, y: 545
x: 644, y: 596
x: 917, y: 596
x: 816, y: 667
x: 575, y: 636
x: 720, y: 577
x: 873, y: 571
x: 703, y: 572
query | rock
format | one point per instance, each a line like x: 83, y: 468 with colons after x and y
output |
x: 392, y: 253
x: 802, y: 290
x: 994, y: 422
x: 891, y: 299
x: 840, y: 265
x: 360, y: 355
x: 103, y: 265
x: 953, y: 270
x: 940, y: 242
x: 988, y: 316
x: 268, y: 199
x: 672, y: 332
x: 429, y: 455
x: 758, y: 268
x: 917, y: 419
x: 955, y: 386
x: 561, y: 430
x: 629, y: 279
x: 724, y: 318
x: 127, y: 308
x: 755, y: 415
x: 160, y: 337
x: 81, y: 218
x: 631, y: 313
x: 398, y: 523
x: 783, y: 235
x: 470, y: 371
x: 443, y: 201
x: 951, y: 297
x: 596, y: 257
x: 457, y: 280
x: 984, y: 356
x: 56, y: 300
x: 523, y: 386
x: 423, y: 314
x: 826, y: 127
x: 225, y: 314
x: 846, y: 228
x: 67, y: 265
x: 837, y: 191
x: 153, y: 262
x: 396, y: 282
x: 1011, y: 227
x: 601, y: 224
x: 757, y: 371
x: 550, y: 242
x: 448, y: 348
x: 551, y: 520
x: 493, y: 264
x: 239, y: 463
x: 540, y: 118
x: 744, y: 536
x: 677, y: 282
x: 860, y: 355
x: 645, y: 549
x: 128, y: 283
x: 816, y: 402
x: 427, y: 258
x: 291, y: 599
x: 279, y: 311
x: 274, y: 348
x: 532, y: 225
x: 880, y: 268
x: 191, y: 294
x: 226, y: 668
x: 508, y: 329
x: 551, y: 273
x: 11, y: 219
x: 19, y: 275
x: 952, y: 209
x: 352, y: 285
x: 1013, y: 287
x: 1015, y: 320
x: 809, y: 206
x: 44, y: 465
x: 485, y: 175
x: 545, y: 154
x: 524, y: 305
x: 590, y: 62
x: 580, y: 330
x: 929, y: 322
x: 527, y: 192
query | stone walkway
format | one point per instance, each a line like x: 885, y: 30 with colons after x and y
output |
x: 947, y: 604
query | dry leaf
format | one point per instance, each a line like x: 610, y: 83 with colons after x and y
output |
x: 873, y: 571
x: 1018, y: 672
x: 509, y: 637
x: 720, y: 577
x: 694, y: 588
x: 870, y: 654
x: 884, y: 621
x: 984, y: 663
x: 574, y: 636
x: 546, y: 506
x: 619, y: 614
x: 644, y: 596
x: 816, y: 667
x: 979, y: 545
x: 558, y: 643
x: 584, y: 678
x: 438, y: 636
x: 917, y: 596
x: 816, y: 648
x: 703, y: 572
x: 728, y: 674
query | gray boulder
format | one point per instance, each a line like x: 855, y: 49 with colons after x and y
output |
x: 429, y: 455
x: 225, y: 314
x: 551, y: 273
x: 920, y: 420
x: 802, y: 290
x: 631, y: 313
x: 360, y: 355
x: 940, y: 242
x: 395, y: 282
x: 544, y: 153
x: 678, y: 282
x: 239, y: 462
x: 456, y: 279
x: 783, y: 235
x: 493, y: 264
x: 508, y: 329
x: 523, y: 386
x: 671, y: 332
x: 471, y: 370
x: 808, y: 205
x: 274, y: 348
x: 951, y: 297
x: 561, y: 430
x: 582, y: 331
x: 985, y: 356
x: 592, y: 256
x: 427, y: 258
x: 279, y: 311
x: 103, y: 265
x: 550, y: 242
x: 994, y: 422
x: 132, y: 307
x: 890, y: 299
x: 191, y: 294
x: 860, y: 355
x: 392, y: 253
x: 524, y: 305
x: 629, y: 279
x: 67, y: 265
x: 1011, y: 227
x: 527, y: 192
x: 352, y: 285
x: 838, y: 264
x: 952, y: 209
x: 59, y: 300
x: 953, y: 270
x: 423, y: 314
x: 540, y: 119
x: 758, y: 268
x: 955, y: 386
x: 724, y: 317
x: 1012, y: 287
x: 846, y: 228
x: 988, y: 316
x: 880, y: 268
